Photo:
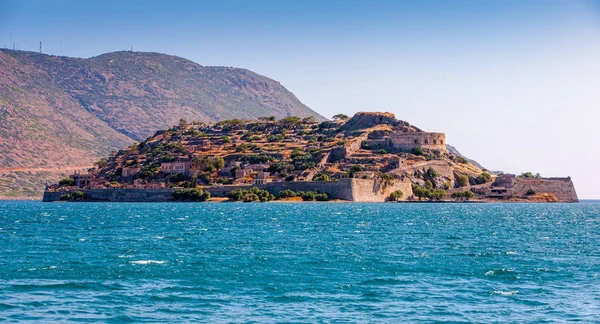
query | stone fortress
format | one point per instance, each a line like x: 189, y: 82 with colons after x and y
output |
x: 363, y: 158
x: 397, y: 136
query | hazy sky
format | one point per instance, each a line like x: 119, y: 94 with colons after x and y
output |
x: 513, y: 84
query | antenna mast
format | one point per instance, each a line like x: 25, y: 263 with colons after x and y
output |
x: 40, y: 47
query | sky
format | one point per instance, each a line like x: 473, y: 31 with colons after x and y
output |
x: 514, y: 84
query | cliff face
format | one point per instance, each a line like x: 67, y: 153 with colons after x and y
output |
x: 57, y: 113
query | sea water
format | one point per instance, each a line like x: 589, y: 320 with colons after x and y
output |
x: 299, y: 262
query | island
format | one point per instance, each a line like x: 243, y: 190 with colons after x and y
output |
x: 371, y: 157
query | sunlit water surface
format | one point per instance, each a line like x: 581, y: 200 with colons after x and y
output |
x: 299, y: 262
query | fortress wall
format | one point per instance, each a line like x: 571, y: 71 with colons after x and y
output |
x: 349, y: 148
x: 562, y: 188
x: 367, y: 190
x: 361, y: 190
x: 408, y: 141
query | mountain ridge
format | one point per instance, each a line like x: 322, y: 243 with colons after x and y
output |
x: 58, y: 111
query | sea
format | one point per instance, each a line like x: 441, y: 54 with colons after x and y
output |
x: 299, y: 262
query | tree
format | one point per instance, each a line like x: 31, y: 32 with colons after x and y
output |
x: 462, y: 181
x: 429, y: 184
x: 460, y: 159
x: 193, y: 194
x: 431, y: 173
x: 483, y: 178
x: 417, y: 151
x: 321, y: 177
x: 66, y: 182
x: 437, y: 194
x: 396, y: 195
x: 466, y: 195
x: 286, y: 194
x: 529, y: 175
x: 530, y: 192
x: 340, y: 117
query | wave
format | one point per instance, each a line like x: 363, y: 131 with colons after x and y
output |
x: 148, y: 262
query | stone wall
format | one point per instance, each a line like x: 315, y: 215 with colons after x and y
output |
x: 408, y: 141
x: 562, y: 188
x: 360, y: 190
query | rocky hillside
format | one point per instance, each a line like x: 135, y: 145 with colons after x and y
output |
x: 59, y: 113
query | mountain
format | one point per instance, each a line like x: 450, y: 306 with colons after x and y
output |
x: 60, y: 113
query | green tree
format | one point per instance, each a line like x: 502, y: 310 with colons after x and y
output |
x: 462, y: 181
x: 321, y: 177
x: 417, y: 151
x: 340, y: 117
x: 431, y: 173
x: 66, y: 182
x: 483, y: 178
x: 396, y: 195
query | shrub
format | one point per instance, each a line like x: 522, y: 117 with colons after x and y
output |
x: 461, y: 160
x: 250, y: 195
x: 483, y: 178
x: 438, y: 194
x: 226, y: 139
x: 312, y: 196
x: 431, y: 173
x: 417, y: 151
x: 340, y: 117
x: 429, y: 184
x: 195, y: 194
x: 287, y: 193
x: 530, y: 192
x: 275, y: 138
x: 78, y: 195
x: 66, y: 182
x: 529, y: 175
x: 466, y: 195
x: 462, y: 181
x: 321, y: 177
x: 382, y: 151
x: 65, y: 197
x: 396, y: 195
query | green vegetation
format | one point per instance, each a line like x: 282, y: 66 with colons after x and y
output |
x: 340, y: 117
x: 462, y: 181
x: 251, y: 195
x: 66, y: 182
x: 194, y: 194
x: 396, y: 195
x: 530, y: 175
x: 78, y: 195
x: 226, y: 139
x: 431, y: 173
x: 422, y: 192
x: 461, y: 160
x: 305, y: 195
x: 530, y: 192
x: 418, y: 151
x: 483, y: 178
x: 321, y: 177
x: 382, y: 151
x: 312, y: 196
x: 466, y: 195
x: 65, y: 197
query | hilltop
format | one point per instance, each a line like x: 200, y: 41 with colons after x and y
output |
x: 369, y: 157
x: 58, y: 112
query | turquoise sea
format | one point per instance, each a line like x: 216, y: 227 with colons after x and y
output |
x: 299, y: 262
